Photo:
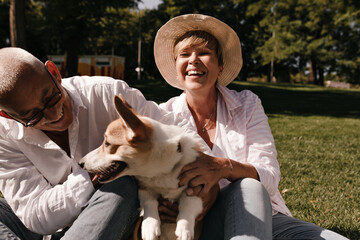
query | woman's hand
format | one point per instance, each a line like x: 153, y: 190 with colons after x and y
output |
x: 203, y: 174
x: 202, y: 177
x: 168, y: 211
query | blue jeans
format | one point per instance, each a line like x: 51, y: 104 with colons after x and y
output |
x: 11, y: 228
x: 111, y: 213
x: 288, y: 228
x: 243, y: 211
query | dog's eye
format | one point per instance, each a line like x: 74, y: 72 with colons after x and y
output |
x: 179, y: 147
x: 106, y: 144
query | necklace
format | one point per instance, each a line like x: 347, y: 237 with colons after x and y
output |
x: 207, y: 123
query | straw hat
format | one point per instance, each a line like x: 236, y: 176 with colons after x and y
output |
x: 178, y: 26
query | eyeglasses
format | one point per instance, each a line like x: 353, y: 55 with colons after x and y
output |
x: 36, y: 117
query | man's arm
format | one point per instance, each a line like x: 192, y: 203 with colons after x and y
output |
x: 43, y: 208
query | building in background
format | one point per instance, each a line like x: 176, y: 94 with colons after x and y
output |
x: 94, y: 65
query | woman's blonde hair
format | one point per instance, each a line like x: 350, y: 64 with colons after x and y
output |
x: 194, y: 38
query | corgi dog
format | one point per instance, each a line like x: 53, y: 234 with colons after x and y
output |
x: 154, y: 153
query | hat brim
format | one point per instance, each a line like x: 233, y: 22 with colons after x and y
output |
x: 178, y: 26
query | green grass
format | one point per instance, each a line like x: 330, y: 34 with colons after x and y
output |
x: 319, y: 159
x: 317, y: 134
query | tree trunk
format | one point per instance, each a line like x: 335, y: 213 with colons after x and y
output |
x: 72, y: 55
x: 312, y: 71
x: 320, y: 80
x: 17, y: 23
x: 271, y: 71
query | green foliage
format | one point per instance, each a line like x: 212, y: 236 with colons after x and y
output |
x: 294, y: 32
x: 75, y: 27
x: 116, y: 32
x: 314, y: 38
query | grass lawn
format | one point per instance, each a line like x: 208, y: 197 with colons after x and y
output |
x: 317, y: 134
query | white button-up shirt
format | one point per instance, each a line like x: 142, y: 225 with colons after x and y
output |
x: 242, y: 134
x: 45, y: 187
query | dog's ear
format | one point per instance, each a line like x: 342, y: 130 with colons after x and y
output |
x: 130, y: 117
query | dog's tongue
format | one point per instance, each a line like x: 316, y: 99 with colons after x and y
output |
x: 95, y: 178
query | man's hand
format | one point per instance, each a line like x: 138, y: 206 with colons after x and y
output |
x: 208, y: 200
x: 168, y: 211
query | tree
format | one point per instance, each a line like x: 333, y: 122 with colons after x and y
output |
x: 72, y: 23
x: 317, y: 38
x: 347, y: 34
x: 117, y: 32
x: 17, y: 23
x: 317, y: 28
x: 4, y: 24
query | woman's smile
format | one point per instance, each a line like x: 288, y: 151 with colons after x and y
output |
x: 197, y: 64
x: 195, y: 73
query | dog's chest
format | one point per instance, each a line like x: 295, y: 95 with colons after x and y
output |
x: 166, y: 186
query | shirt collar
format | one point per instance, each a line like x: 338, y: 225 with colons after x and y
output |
x: 230, y: 97
x: 76, y: 101
x: 183, y: 108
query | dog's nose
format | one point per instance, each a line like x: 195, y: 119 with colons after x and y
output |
x: 81, y: 164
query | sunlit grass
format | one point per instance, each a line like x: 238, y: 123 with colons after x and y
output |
x: 320, y: 164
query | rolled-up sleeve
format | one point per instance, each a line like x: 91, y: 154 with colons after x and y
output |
x: 148, y: 108
x: 261, y: 146
x: 43, y: 208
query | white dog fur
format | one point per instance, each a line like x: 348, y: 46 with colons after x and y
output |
x: 154, y: 153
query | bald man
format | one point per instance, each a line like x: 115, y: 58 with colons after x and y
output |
x: 47, y: 125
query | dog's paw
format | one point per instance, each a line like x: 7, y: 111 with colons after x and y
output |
x: 150, y: 229
x: 184, y: 231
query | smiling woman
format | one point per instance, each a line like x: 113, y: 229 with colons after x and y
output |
x: 235, y: 132
x: 198, y: 60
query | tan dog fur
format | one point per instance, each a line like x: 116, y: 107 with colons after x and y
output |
x: 154, y: 153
